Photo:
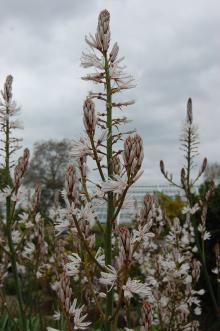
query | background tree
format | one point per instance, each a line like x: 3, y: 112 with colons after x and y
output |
x: 213, y: 172
x: 47, y: 167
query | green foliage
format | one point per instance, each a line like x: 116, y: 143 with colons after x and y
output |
x: 7, y: 323
x: 171, y: 206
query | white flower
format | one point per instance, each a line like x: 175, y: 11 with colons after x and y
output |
x: 61, y: 226
x: 200, y: 292
x: 110, y: 277
x: 118, y: 185
x: 215, y: 271
x: 6, y: 192
x: 23, y: 217
x: 80, y: 148
x: 16, y: 124
x: 102, y: 295
x: 207, y: 235
x: 91, y: 60
x: 183, y: 308
x: 197, y: 311
x: 103, y: 136
x: 88, y: 214
x: 51, y: 329
x: 56, y: 316
x: 72, y: 268
x: 28, y: 250
x: 100, y: 256
x: 16, y: 236
x: 191, y: 211
x: 135, y: 286
x: 143, y: 233
x: 78, y: 320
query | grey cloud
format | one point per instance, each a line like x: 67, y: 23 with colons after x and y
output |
x: 171, y: 48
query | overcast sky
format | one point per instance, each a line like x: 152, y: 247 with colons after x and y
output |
x: 172, y: 49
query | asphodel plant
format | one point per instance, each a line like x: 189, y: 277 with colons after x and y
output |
x: 111, y: 76
x: 10, y: 144
x: 21, y: 230
x: 162, y: 290
x: 118, y: 166
x: 189, y: 140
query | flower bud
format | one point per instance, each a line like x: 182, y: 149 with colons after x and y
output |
x: 189, y: 111
x: 133, y: 154
x: 162, y: 167
x: 183, y: 177
x: 89, y: 117
x: 147, y: 209
x: 126, y: 250
x: 7, y: 93
x: 116, y: 165
x: 36, y: 197
x: 204, y: 165
x: 21, y: 167
x: 71, y: 182
x: 114, y: 52
x: 103, y: 31
x: 146, y: 316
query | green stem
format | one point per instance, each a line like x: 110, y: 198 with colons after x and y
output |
x: 110, y: 202
x: 14, y: 266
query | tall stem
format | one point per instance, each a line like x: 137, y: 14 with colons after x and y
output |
x: 9, y: 216
x: 110, y: 202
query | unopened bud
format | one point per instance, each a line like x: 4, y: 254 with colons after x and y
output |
x: 21, y: 167
x: 133, y: 154
x: 189, y: 111
x: 7, y: 93
x: 204, y: 165
x: 103, y: 31
x: 146, y: 316
x: 89, y: 118
x: 162, y: 167
x: 183, y: 177
x: 126, y: 244
x: 71, y: 183
x: 36, y: 197
x: 146, y: 211
x: 116, y: 165
x: 114, y: 52
x: 83, y: 166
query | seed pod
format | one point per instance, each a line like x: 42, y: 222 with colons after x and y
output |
x: 89, y: 116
